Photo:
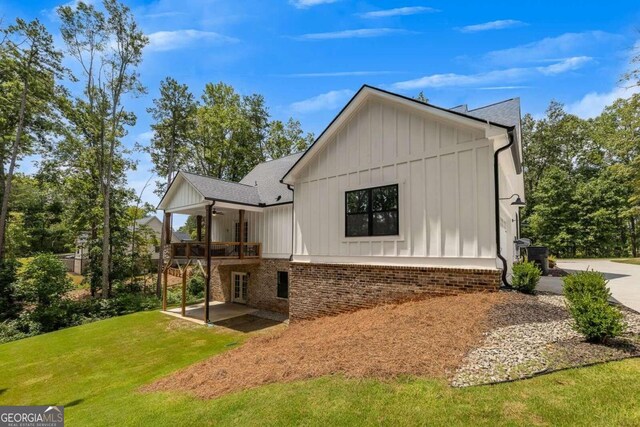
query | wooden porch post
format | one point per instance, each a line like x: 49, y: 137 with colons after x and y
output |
x: 184, y: 289
x: 199, y: 227
x: 167, y: 241
x: 167, y: 228
x: 242, y: 231
x: 165, y: 284
x: 207, y: 252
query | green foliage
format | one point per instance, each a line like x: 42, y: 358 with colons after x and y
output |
x: 44, y: 280
x: 16, y: 329
x: 195, y: 285
x: 37, y: 218
x: 588, y: 301
x: 582, y: 179
x: 190, y: 226
x: 30, y: 101
x: 526, y: 276
x: 553, y: 261
x: 224, y: 136
x: 174, y: 122
x: 9, y: 306
x: 421, y: 97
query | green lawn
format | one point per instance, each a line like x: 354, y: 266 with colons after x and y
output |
x: 634, y: 261
x: 95, y: 370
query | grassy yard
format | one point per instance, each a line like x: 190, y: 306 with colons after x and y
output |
x: 634, y: 261
x: 95, y: 370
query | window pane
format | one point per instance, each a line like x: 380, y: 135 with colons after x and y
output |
x: 385, y: 223
x: 283, y: 284
x: 385, y: 198
x: 358, y: 225
x: 357, y: 201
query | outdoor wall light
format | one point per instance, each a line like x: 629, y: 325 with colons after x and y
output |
x: 517, y: 202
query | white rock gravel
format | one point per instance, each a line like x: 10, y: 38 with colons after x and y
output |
x: 520, y: 350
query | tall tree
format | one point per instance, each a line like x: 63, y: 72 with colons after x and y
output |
x: 633, y: 75
x: 108, y: 48
x: 173, y: 114
x: 421, y: 97
x: 219, y: 122
x: 285, y: 139
x: 30, y: 66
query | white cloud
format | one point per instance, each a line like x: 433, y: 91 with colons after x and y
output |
x: 563, y: 45
x: 568, y: 64
x: 452, y: 79
x: 399, y: 11
x: 341, y: 74
x: 145, y: 137
x: 351, y: 34
x: 326, y: 101
x: 508, y: 75
x: 493, y: 25
x: 592, y: 104
x: 165, y: 14
x: 503, y: 87
x: 162, y: 41
x: 304, y: 4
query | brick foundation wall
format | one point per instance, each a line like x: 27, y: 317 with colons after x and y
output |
x: 265, y: 290
x: 317, y: 290
x: 263, y: 280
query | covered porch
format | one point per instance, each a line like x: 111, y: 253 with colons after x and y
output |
x: 221, y: 237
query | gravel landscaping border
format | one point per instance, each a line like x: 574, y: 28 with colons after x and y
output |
x: 533, y: 334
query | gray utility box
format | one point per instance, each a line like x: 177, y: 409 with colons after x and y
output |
x: 539, y: 255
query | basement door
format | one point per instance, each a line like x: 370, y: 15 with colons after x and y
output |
x: 239, y: 287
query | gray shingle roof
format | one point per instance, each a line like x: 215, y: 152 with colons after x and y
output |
x: 182, y: 236
x: 261, y: 186
x: 266, y: 178
x: 460, y: 108
x: 504, y: 112
x: 217, y: 189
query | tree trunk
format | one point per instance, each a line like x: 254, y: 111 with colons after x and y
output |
x: 106, y: 237
x: 162, y: 233
x: 634, y: 238
x: 4, y: 211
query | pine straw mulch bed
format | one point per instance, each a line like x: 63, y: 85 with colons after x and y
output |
x: 424, y: 338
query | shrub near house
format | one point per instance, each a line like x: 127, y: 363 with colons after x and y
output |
x: 588, y: 301
x: 526, y: 276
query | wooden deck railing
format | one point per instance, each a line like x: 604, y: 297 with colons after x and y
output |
x: 221, y: 250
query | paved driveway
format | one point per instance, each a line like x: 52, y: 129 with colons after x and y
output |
x: 624, y: 279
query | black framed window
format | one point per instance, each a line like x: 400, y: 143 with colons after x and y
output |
x: 283, y: 284
x: 372, y: 211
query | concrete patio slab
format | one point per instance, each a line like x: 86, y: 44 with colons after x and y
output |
x: 218, y: 311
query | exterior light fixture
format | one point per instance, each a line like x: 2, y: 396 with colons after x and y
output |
x: 517, y: 202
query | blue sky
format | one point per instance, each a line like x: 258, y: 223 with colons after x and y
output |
x: 307, y: 57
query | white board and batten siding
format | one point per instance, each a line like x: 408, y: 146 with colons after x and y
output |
x: 183, y: 196
x: 271, y: 227
x: 446, y: 193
